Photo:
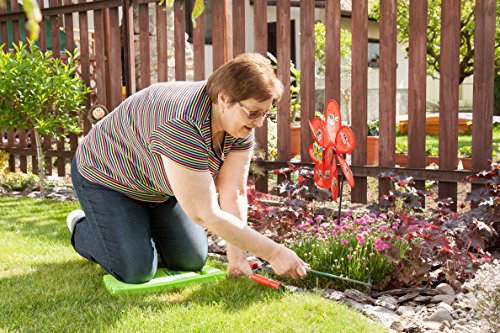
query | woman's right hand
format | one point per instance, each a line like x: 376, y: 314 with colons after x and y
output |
x: 286, y: 263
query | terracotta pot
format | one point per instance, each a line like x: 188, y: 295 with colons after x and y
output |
x: 294, y: 140
x: 466, y: 163
x: 401, y: 160
x: 372, y: 150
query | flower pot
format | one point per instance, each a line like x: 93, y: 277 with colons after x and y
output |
x: 466, y: 163
x: 372, y: 150
x: 401, y: 160
x: 294, y: 140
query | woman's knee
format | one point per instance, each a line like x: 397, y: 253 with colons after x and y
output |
x: 135, y: 273
x: 131, y: 268
x: 193, y: 260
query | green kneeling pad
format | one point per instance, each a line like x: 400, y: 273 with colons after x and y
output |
x: 163, y: 280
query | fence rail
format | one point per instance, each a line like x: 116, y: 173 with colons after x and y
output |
x: 112, y: 56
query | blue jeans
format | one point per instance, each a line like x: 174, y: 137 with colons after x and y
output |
x: 124, y: 235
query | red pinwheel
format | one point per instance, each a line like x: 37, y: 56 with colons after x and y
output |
x: 331, y: 140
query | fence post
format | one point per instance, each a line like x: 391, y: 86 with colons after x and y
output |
x: 387, y: 93
x: 283, y: 58
x: 332, y: 51
x: 128, y: 46
x: 417, y: 85
x: 179, y: 41
x: 306, y: 77
x: 260, y: 46
x: 359, y: 92
x: 221, y: 35
x: 484, y: 63
x: 448, y: 94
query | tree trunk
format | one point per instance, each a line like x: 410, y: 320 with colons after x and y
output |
x: 41, y: 166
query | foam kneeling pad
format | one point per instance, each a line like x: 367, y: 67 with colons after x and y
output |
x: 163, y: 280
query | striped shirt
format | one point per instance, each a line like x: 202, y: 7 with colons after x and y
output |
x: 123, y: 151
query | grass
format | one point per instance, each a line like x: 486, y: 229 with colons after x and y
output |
x: 464, y: 140
x: 46, y: 287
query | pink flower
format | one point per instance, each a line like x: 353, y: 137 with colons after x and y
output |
x: 349, y: 256
x: 361, y: 239
x: 383, y: 228
x: 319, y: 218
x: 344, y: 242
x: 383, y: 216
x: 350, y: 248
x: 380, y: 245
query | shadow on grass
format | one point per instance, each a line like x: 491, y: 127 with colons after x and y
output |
x: 71, y: 296
x: 41, y: 219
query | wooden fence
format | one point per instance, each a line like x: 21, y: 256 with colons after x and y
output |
x: 103, y: 67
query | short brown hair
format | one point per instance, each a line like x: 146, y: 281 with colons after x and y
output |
x: 249, y: 75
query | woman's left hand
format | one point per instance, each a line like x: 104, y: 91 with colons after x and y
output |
x: 239, y: 269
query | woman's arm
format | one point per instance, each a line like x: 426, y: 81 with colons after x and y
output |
x: 232, y: 187
x: 196, y: 193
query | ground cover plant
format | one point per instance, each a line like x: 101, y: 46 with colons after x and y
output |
x: 46, y: 287
x: 396, y: 245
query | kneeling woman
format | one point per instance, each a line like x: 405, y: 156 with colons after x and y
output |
x: 168, y: 162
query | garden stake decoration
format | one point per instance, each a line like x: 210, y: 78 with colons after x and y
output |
x: 331, y: 140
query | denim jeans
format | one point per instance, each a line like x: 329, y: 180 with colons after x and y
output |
x: 124, y: 235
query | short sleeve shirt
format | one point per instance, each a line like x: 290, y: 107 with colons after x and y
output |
x: 123, y: 151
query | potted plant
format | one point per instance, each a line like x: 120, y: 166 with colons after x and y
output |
x: 294, y: 106
x: 372, y: 143
x: 40, y: 93
x: 465, y: 155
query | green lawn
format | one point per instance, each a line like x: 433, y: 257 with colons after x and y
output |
x: 46, y: 287
x: 464, y: 140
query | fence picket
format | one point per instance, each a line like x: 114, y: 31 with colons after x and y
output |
x: 306, y: 76
x: 417, y: 86
x: 260, y: 46
x: 179, y: 41
x: 199, y: 48
x: 448, y: 93
x: 387, y: 88
x: 283, y: 57
x: 161, y: 42
x: 332, y: 51
x: 144, y: 47
x: 359, y: 92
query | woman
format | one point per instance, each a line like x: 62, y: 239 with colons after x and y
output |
x: 168, y: 162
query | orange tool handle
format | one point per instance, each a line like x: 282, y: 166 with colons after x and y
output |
x: 267, y: 282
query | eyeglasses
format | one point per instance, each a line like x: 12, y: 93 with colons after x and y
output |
x: 256, y: 114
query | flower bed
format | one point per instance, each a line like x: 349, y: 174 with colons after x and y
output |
x: 395, y: 245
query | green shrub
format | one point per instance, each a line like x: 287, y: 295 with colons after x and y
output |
x: 4, y: 160
x: 41, y: 93
x: 18, y: 181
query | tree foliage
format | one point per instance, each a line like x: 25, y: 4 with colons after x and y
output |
x: 34, y: 16
x: 320, y: 47
x: 434, y: 34
x: 40, y: 93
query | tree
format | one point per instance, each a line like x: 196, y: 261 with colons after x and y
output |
x: 40, y: 93
x: 320, y: 47
x: 434, y: 34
